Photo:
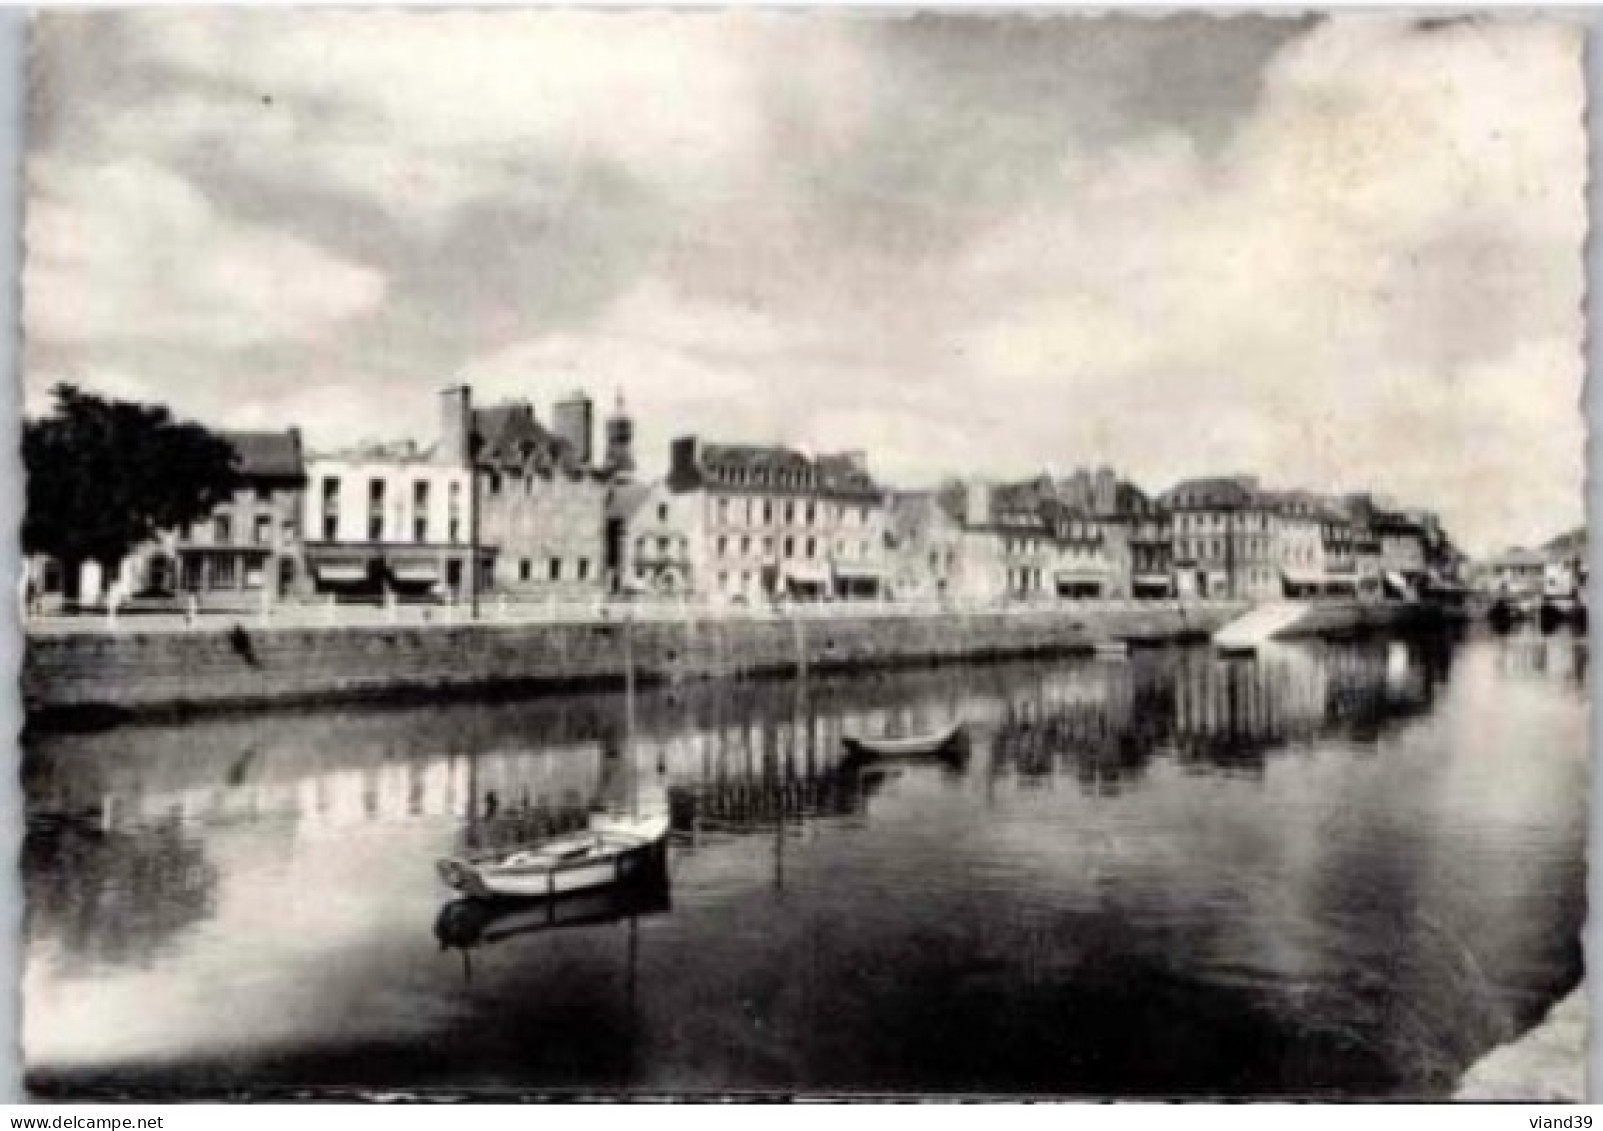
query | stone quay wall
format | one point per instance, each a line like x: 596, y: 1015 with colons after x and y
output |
x: 89, y: 674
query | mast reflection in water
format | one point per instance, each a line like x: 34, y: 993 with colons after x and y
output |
x: 1330, y: 870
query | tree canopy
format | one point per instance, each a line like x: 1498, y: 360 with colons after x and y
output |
x: 106, y: 475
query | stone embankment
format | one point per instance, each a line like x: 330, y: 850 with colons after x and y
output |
x: 1546, y: 1065
x: 108, y: 674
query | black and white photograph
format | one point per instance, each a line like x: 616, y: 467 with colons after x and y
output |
x: 803, y: 553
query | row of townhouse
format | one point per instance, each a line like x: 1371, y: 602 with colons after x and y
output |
x: 504, y: 504
x: 1560, y: 568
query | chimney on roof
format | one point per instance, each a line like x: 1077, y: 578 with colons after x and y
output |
x: 573, y: 421
x: 456, y: 424
x: 976, y: 502
x: 684, y: 464
x: 1105, y: 492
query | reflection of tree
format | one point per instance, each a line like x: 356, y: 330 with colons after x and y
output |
x: 114, y: 898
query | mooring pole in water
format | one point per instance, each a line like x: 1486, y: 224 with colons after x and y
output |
x: 629, y: 709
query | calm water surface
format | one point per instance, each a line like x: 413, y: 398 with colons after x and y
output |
x: 1332, y: 870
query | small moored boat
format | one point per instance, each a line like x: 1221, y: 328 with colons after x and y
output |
x: 942, y: 742
x: 610, y: 852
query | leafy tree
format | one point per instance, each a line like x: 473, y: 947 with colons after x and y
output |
x: 105, y: 476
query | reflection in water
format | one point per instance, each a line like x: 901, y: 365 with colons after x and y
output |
x: 111, y: 897
x: 1325, y: 870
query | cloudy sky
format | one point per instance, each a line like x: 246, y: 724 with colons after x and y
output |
x: 1333, y: 253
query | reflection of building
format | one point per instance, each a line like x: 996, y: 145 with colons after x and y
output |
x: 767, y: 522
x: 543, y: 497
x: 396, y: 518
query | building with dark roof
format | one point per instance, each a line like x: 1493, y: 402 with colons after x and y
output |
x: 1225, y: 529
x: 248, y: 552
x: 774, y: 522
x: 543, y: 496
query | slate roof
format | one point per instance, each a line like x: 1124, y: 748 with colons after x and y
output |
x: 1212, y: 493
x: 626, y: 499
x: 781, y: 470
x: 510, y: 436
x: 267, y: 455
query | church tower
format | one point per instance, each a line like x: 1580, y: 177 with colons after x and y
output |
x: 620, y: 459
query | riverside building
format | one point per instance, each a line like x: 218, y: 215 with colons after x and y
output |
x: 543, y: 496
x: 398, y: 519
x: 767, y: 522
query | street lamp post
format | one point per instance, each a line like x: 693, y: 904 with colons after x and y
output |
x: 473, y: 522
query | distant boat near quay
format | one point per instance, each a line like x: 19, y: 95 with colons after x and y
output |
x: 949, y: 742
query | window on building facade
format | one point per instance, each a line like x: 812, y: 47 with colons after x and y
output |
x: 223, y: 530
x: 722, y: 546
x: 375, y: 510
x: 812, y: 547
x: 255, y: 572
x: 262, y: 530
x: 790, y: 547
x: 492, y: 484
x: 584, y: 569
x: 662, y: 512
x: 790, y: 513
x: 745, y: 545
x: 723, y: 511
x: 225, y: 572
x: 812, y: 513
x: 420, y: 511
x: 453, y: 516
x: 555, y: 567
x: 768, y: 512
x: 524, y: 569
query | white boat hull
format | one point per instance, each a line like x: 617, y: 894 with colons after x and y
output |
x: 913, y: 747
x: 618, y: 851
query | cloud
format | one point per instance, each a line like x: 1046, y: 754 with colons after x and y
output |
x: 1336, y: 252
x: 425, y: 113
x: 1366, y: 272
x: 129, y: 252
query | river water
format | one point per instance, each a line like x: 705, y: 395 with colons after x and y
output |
x: 1331, y: 870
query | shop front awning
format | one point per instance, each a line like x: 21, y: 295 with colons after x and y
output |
x: 1304, y: 578
x: 416, y: 573
x: 805, y: 574
x: 858, y: 573
x: 1080, y: 576
x: 341, y: 573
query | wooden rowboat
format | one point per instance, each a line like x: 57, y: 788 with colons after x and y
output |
x: 608, y: 853
x: 937, y: 743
